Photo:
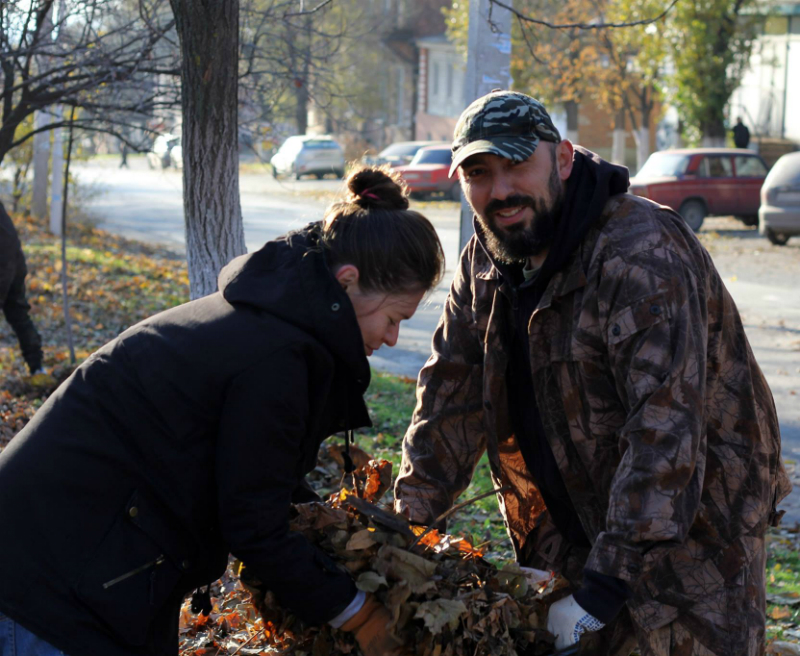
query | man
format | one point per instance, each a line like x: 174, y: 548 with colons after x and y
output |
x: 589, y: 345
x: 12, y: 293
x: 741, y: 135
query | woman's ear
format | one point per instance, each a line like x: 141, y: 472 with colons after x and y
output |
x: 347, y: 275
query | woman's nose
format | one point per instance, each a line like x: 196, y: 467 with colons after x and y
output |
x: 390, y: 339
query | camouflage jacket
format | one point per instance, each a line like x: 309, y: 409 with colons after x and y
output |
x: 660, y: 420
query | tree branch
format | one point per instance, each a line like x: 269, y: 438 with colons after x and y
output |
x: 582, y: 26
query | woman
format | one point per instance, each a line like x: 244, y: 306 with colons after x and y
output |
x: 188, y: 436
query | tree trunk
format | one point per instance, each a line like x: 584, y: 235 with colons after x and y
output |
x: 209, y: 37
x: 713, y: 133
x: 41, y: 167
x: 643, y: 142
x: 571, y: 108
x: 618, y: 144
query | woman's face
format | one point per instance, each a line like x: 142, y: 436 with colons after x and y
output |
x: 378, y: 314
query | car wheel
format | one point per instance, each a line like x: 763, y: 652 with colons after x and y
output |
x: 777, y: 238
x: 297, y: 174
x: 319, y: 176
x: 749, y: 220
x: 694, y: 213
x: 339, y: 173
x: 455, y: 192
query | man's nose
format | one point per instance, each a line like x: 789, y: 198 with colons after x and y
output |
x: 501, y: 187
x: 390, y: 339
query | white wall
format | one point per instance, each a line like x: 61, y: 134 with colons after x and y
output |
x: 764, y: 92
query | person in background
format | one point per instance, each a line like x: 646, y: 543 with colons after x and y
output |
x: 188, y: 437
x: 741, y: 135
x: 590, y: 346
x: 12, y: 293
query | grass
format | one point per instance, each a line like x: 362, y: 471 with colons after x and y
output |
x: 391, y: 402
x: 783, y: 584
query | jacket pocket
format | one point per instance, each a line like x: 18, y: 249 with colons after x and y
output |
x: 135, y: 569
x: 637, y: 317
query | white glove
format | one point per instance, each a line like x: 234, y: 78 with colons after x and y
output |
x: 567, y: 621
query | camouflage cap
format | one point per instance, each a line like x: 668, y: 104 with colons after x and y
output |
x: 505, y: 123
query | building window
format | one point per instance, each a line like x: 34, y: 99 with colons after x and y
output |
x: 435, y: 81
x: 450, y: 80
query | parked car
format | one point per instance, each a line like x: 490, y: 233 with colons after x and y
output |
x: 779, y: 214
x: 158, y: 156
x: 399, y: 153
x: 176, y: 155
x: 308, y: 155
x: 427, y: 173
x: 701, y: 182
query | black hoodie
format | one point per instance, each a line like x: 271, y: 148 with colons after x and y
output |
x: 178, y: 442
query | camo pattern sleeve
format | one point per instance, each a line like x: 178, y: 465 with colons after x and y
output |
x: 446, y: 437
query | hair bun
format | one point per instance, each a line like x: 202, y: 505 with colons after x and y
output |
x: 377, y: 187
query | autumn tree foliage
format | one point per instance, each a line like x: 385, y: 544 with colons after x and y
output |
x: 710, y: 42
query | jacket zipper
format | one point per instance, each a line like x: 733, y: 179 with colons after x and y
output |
x: 153, y: 563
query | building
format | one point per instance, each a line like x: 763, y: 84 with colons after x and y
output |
x: 440, y: 101
x: 768, y: 99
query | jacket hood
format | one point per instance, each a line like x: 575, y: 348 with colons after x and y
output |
x: 289, y: 278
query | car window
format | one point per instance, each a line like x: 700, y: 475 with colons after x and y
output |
x: 786, y: 171
x: 433, y: 156
x: 661, y: 164
x: 749, y: 167
x: 321, y: 144
x: 715, y: 166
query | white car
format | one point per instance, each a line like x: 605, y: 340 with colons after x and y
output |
x: 308, y: 155
x: 779, y: 214
x: 158, y: 155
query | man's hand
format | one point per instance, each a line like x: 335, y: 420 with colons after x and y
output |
x: 567, y: 621
x: 369, y: 625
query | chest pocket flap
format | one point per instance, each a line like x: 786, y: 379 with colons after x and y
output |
x: 637, y: 317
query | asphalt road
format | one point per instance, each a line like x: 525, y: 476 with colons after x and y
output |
x: 763, y: 279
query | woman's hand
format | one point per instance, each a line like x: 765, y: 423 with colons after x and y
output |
x: 370, y: 627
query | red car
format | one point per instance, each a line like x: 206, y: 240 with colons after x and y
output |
x: 426, y: 174
x: 701, y: 182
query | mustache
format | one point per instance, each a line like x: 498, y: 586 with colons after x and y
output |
x: 517, y: 200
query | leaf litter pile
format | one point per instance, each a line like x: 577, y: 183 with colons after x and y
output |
x: 443, y: 596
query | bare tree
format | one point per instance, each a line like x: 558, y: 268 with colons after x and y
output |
x: 102, y: 57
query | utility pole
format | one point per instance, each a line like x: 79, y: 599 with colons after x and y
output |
x: 488, y: 68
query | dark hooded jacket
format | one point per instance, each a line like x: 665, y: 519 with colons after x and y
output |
x: 178, y: 442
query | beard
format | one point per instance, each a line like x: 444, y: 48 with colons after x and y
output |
x: 514, y: 244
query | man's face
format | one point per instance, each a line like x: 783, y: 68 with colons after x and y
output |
x: 517, y: 203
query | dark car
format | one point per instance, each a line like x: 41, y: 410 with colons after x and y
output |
x: 701, y: 182
x: 399, y: 153
x: 426, y: 174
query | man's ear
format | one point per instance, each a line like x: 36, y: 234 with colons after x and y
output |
x: 564, y: 152
x: 347, y: 275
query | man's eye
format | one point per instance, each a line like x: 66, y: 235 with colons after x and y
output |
x: 473, y: 173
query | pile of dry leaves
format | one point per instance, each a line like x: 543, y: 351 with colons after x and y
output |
x: 445, y: 599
